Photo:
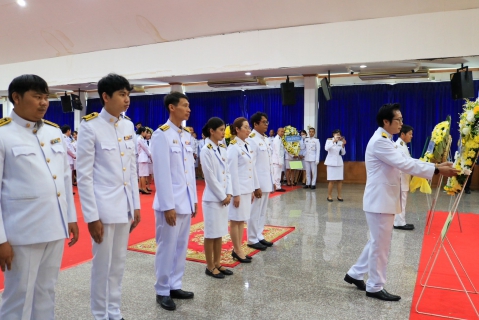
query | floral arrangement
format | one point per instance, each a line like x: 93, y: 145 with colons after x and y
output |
x: 466, y: 156
x: 439, y: 140
x: 228, y: 135
x: 291, y: 147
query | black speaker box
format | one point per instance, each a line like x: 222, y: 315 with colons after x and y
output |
x: 288, y: 97
x: 462, y: 85
x: 66, y: 104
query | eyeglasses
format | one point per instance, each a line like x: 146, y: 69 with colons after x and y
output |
x: 265, y: 122
x: 398, y: 120
x: 246, y: 128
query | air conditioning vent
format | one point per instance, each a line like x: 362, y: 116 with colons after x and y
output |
x: 248, y: 82
x: 391, y: 75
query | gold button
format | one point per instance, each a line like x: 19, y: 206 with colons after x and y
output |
x: 48, y: 160
x: 188, y: 184
x: 186, y: 171
x: 223, y: 172
x: 125, y: 183
x: 185, y: 159
x: 35, y: 131
x: 250, y: 177
x: 111, y: 120
x: 42, y: 144
x: 28, y: 125
x: 249, y: 169
x: 54, y: 176
x: 58, y: 194
x: 122, y: 154
x: 119, y: 139
x: 124, y: 169
x: 116, y: 124
x: 224, y: 179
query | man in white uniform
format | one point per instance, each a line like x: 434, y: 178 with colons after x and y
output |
x: 405, y: 137
x: 278, y: 159
x: 37, y: 211
x: 382, y: 200
x: 108, y: 187
x: 311, y: 159
x: 175, y: 200
x: 261, y: 150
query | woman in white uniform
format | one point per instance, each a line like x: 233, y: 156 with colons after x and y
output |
x: 216, y: 197
x: 243, y: 177
x: 144, y: 156
x: 149, y: 179
x: 334, y: 163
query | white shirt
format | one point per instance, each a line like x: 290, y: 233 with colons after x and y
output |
x: 405, y: 178
x: 215, y: 169
x: 71, y: 152
x: 335, y: 152
x: 36, y: 185
x: 106, y: 169
x: 261, y: 150
x: 312, y: 149
x: 144, y: 154
x: 241, y: 168
x: 278, y: 151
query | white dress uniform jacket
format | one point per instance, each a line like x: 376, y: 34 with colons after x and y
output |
x: 107, y: 180
x: 241, y: 168
x: 144, y: 154
x: 215, y: 169
x: 405, y: 178
x: 70, y: 149
x: 384, y: 163
x: 312, y: 149
x: 261, y: 151
x: 278, y: 151
x: 36, y: 184
x: 335, y: 153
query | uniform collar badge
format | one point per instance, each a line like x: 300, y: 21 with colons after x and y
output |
x: 128, y: 137
x: 402, y: 143
x: 57, y: 140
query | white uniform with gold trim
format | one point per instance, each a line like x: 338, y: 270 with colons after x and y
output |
x: 400, y: 219
x: 311, y: 159
x: 278, y: 160
x: 36, y: 207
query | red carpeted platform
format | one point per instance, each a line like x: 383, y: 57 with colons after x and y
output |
x: 445, y: 302
x: 81, y: 251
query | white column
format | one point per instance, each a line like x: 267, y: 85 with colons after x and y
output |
x: 311, y: 86
x: 7, y: 107
x: 79, y: 114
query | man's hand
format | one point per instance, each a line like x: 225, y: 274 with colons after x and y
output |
x: 170, y: 217
x: 193, y: 214
x: 344, y: 142
x: 258, y: 194
x: 227, y: 200
x: 236, y: 201
x: 6, y: 256
x: 73, y: 229
x: 96, y: 231
x: 447, y: 170
x: 136, y: 219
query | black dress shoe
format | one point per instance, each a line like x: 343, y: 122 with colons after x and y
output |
x: 405, y: 227
x: 166, y: 302
x: 226, y: 272
x: 257, y: 246
x: 340, y: 199
x: 329, y: 200
x: 180, y: 294
x: 358, y: 283
x: 306, y: 187
x: 237, y: 257
x: 383, y: 295
x: 266, y: 243
x: 313, y: 187
x: 249, y: 257
x: 281, y: 190
x: 211, y: 274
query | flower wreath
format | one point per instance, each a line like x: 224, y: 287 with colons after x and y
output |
x: 466, y: 156
x: 291, y: 147
x: 440, y: 139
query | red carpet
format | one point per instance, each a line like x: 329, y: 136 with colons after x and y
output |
x: 81, y: 251
x: 445, y: 302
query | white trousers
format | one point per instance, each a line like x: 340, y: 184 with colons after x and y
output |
x: 400, y: 219
x: 107, y: 270
x: 30, y: 286
x: 374, y: 258
x: 311, y: 168
x: 170, y: 259
x: 257, y: 218
x: 277, y: 169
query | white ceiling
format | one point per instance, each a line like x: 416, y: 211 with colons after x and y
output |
x: 51, y: 28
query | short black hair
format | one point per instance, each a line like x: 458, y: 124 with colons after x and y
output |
x: 111, y: 83
x: 256, y: 118
x: 311, y: 128
x: 336, y: 131
x: 173, y: 98
x: 138, y: 123
x: 140, y: 130
x: 26, y: 82
x: 75, y: 132
x: 405, y: 129
x: 303, y: 131
x: 65, y: 128
x: 386, y: 112
x: 213, y: 123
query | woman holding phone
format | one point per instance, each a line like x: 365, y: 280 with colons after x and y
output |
x: 334, y: 163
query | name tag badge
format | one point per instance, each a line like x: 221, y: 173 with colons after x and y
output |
x: 57, y: 140
x: 128, y: 137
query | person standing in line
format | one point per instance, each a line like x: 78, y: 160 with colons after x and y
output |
x: 302, y: 153
x: 144, y: 157
x: 311, y: 159
x: 37, y: 211
x: 278, y: 159
x: 271, y: 138
x: 405, y: 137
x: 243, y: 181
x: 149, y: 179
x: 175, y: 199
x: 71, y: 153
x: 261, y: 149
x: 381, y: 201
x: 216, y: 197
x: 74, y: 145
x: 108, y: 187
x: 334, y: 163
x: 199, y: 170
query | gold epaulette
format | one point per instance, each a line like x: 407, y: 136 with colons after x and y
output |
x: 164, y: 127
x: 222, y: 146
x: 233, y: 142
x: 384, y: 135
x: 51, y: 123
x: 90, y: 116
x: 186, y: 129
x: 5, y: 121
x: 209, y: 146
x: 330, y: 138
x: 252, y: 135
x: 264, y: 134
x: 126, y: 117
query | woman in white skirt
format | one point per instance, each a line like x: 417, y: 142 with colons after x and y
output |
x: 243, y: 179
x: 334, y: 163
x: 216, y: 197
x: 144, y: 156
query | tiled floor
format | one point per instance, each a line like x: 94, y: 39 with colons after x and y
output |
x: 301, y: 277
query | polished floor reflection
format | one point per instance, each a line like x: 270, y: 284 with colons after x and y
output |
x: 301, y: 277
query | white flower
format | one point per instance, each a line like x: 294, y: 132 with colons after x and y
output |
x: 467, y: 172
x: 466, y: 131
x: 456, y: 155
x: 470, y: 116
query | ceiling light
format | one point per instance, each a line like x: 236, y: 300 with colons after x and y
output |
x: 247, y: 73
x: 21, y: 3
x: 363, y: 66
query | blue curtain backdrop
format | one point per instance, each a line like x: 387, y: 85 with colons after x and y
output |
x: 353, y: 110
x: 56, y: 115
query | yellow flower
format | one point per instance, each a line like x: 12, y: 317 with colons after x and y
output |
x: 228, y: 132
x: 476, y: 109
x: 469, y: 162
x: 471, y: 154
